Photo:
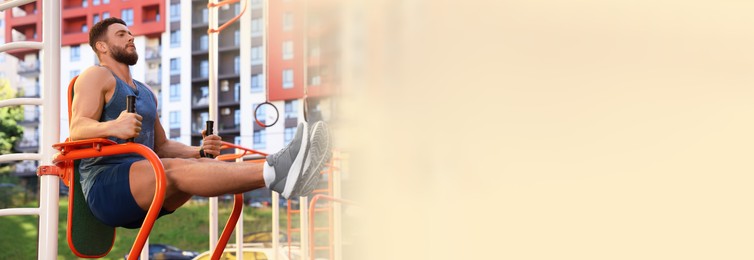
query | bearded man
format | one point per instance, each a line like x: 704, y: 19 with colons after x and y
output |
x: 119, y: 189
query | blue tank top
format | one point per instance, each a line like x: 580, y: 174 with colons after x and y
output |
x: 146, y: 106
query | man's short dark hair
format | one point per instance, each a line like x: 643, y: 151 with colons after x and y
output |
x: 99, y: 31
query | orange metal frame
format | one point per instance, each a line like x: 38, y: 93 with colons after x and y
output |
x: 218, y: 4
x: 98, y: 147
x: 328, y: 191
x: 311, y: 222
x: 222, y: 242
x: 76, y: 150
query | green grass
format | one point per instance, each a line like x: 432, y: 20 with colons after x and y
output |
x: 186, y: 228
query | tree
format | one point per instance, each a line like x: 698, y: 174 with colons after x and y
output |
x: 10, y: 131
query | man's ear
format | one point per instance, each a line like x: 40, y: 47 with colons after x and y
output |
x: 101, y: 46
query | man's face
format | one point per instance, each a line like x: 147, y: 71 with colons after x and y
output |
x: 121, y: 44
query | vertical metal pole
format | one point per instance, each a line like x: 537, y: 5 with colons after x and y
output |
x: 303, y: 203
x: 213, y: 24
x: 337, y: 217
x: 239, y: 224
x: 305, y: 67
x: 265, y: 47
x: 145, y: 250
x: 275, y: 225
x: 50, y: 134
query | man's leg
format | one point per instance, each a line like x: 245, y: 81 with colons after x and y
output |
x: 293, y: 171
x: 188, y: 177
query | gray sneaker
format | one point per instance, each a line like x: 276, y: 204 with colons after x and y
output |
x: 297, y: 165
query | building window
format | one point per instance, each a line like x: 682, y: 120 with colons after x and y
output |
x: 128, y: 16
x: 84, y: 28
x: 175, y: 12
x: 237, y: 91
x: 237, y: 38
x: 105, y: 1
x: 236, y: 8
x: 256, y: 53
x: 203, y: 42
x: 204, y: 68
x: 287, y: 78
x: 291, y: 109
x: 75, y: 52
x: 105, y: 15
x: 316, y: 80
x: 259, y: 139
x: 95, y: 18
x: 175, y: 119
x: 256, y: 83
x: 256, y: 25
x: 175, y: 66
x: 84, y: 3
x: 287, y: 50
x: 289, y: 133
x: 205, y: 15
x: 237, y: 140
x: 287, y: 21
x: 175, y: 38
x: 237, y: 65
x: 237, y: 118
x: 175, y: 92
x: 95, y: 2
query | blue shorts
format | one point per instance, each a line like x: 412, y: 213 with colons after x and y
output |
x: 111, y: 201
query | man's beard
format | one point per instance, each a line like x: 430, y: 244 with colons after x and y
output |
x: 120, y: 55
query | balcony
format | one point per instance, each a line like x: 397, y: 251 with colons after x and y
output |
x: 153, y: 54
x: 24, y: 10
x: 31, y: 117
x: 31, y: 91
x: 28, y: 69
x: 28, y: 144
x: 153, y: 78
x: 200, y: 102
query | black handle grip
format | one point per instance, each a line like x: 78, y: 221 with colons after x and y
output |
x: 210, y: 131
x: 130, y: 108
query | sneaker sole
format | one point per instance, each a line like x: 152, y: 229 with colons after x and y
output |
x: 319, y: 153
x: 297, y: 166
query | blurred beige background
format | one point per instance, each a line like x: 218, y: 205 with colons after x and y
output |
x: 580, y: 129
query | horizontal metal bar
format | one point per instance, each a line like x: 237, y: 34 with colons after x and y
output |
x: 20, y: 157
x: 20, y: 101
x: 11, y: 4
x: 21, y: 45
x: 19, y: 211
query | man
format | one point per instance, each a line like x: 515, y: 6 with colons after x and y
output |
x: 119, y: 189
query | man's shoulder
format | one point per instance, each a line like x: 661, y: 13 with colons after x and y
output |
x: 97, y: 76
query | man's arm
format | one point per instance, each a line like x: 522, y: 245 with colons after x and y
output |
x: 166, y: 148
x: 93, y: 88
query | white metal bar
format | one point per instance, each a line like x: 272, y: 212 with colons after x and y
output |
x: 275, y: 225
x: 20, y: 101
x: 50, y: 130
x: 265, y: 47
x: 19, y: 211
x: 303, y: 204
x: 21, y: 45
x: 20, y: 157
x: 213, y: 15
x: 11, y: 4
x: 239, y: 224
x: 145, y: 250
